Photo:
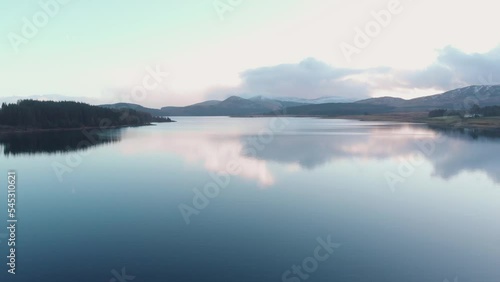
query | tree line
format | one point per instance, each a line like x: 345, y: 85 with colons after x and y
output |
x: 66, y: 114
x: 489, y: 111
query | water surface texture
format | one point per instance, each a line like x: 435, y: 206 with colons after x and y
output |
x: 262, y: 199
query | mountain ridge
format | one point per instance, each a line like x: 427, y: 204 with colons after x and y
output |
x: 456, y: 99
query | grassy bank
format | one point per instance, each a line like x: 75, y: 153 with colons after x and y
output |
x: 444, y: 122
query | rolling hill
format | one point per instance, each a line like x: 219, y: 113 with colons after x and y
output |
x: 232, y: 106
x: 338, y: 109
x: 458, y: 99
x: 117, y: 106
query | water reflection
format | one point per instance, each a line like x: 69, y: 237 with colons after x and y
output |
x: 124, y: 200
x: 450, y: 152
x: 316, y: 150
x: 467, y: 150
x: 213, y: 152
x: 306, y: 144
x: 309, y: 144
x: 472, y: 133
x: 55, y: 142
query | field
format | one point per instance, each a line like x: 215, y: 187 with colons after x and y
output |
x: 445, y: 122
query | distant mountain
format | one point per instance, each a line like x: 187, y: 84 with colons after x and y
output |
x: 321, y: 100
x: 117, y: 106
x: 236, y: 106
x: 458, y: 99
x: 275, y: 103
x: 232, y: 106
x: 207, y: 103
x: 389, y: 101
x: 338, y: 109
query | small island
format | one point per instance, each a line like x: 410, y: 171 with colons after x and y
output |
x: 32, y: 115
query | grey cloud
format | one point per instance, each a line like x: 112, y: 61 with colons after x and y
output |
x: 301, y: 81
x: 307, y: 79
x: 434, y: 76
x: 454, y: 68
x: 313, y: 79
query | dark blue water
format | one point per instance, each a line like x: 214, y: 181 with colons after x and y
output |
x: 227, y: 199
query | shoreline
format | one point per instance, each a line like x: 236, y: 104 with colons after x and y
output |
x: 448, y: 122
x: 7, y: 130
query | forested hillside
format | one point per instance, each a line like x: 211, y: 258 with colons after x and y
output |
x: 50, y: 115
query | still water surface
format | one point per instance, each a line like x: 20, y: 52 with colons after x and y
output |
x: 403, y: 202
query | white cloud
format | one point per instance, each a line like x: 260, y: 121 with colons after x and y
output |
x: 312, y: 78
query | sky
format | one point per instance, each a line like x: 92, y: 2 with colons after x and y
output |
x: 165, y: 52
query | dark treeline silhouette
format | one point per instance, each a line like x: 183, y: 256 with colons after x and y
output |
x: 489, y: 111
x: 437, y: 113
x: 27, y: 114
x: 56, y: 142
x: 444, y: 112
x: 468, y: 133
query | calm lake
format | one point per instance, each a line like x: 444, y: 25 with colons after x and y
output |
x: 258, y: 199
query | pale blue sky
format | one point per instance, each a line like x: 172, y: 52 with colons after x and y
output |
x: 101, y: 49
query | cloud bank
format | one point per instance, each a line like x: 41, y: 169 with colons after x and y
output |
x: 454, y: 68
x: 312, y: 78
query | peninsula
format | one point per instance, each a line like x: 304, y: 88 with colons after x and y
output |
x: 31, y: 116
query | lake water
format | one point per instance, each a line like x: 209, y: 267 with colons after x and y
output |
x: 262, y: 199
